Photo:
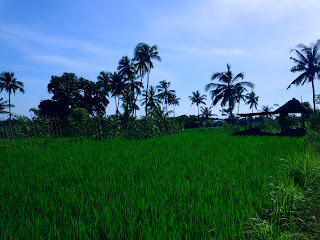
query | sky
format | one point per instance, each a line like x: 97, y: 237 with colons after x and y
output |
x: 39, y: 39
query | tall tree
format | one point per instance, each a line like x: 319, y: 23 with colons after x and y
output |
x: 103, y: 83
x: 206, y: 112
x: 117, y: 86
x: 164, y: 92
x: 240, y: 90
x: 92, y: 97
x: 174, y: 101
x: 198, y: 99
x: 65, y: 89
x: 252, y: 100
x: 307, y: 62
x: 153, y: 98
x: 143, y: 56
x: 127, y: 71
x: 226, y: 91
x: 10, y: 84
x: 267, y: 110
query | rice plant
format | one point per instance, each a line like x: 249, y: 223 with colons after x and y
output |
x: 192, y: 185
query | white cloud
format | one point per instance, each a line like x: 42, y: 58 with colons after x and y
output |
x: 23, y: 36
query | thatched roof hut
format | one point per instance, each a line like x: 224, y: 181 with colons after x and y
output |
x: 292, y: 106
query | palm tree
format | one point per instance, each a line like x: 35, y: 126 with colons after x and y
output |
x: 143, y: 56
x: 240, y: 95
x: 164, y: 93
x: 206, y: 112
x: 103, y: 83
x: 174, y: 101
x: 153, y: 98
x: 10, y: 84
x: 226, y: 92
x: 308, y: 62
x: 266, y: 109
x: 252, y: 100
x: 127, y: 71
x: 117, y: 86
x: 198, y: 99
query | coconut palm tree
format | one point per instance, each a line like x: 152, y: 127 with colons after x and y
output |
x: 10, y: 84
x: 143, y: 56
x: 226, y: 91
x: 240, y: 95
x: 174, y: 101
x: 266, y: 109
x: 307, y: 62
x: 117, y: 86
x: 127, y: 71
x: 103, y: 83
x: 252, y: 100
x: 164, y: 93
x: 198, y: 99
x: 206, y: 112
x: 153, y: 98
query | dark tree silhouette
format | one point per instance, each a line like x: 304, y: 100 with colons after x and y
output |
x: 10, y: 84
x: 267, y: 110
x: 103, y: 83
x: 153, y: 99
x: 164, y: 92
x: 143, y: 56
x: 307, y: 62
x: 174, y: 101
x: 227, y: 90
x: 117, y: 86
x: 65, y: 89
x: 198, y: 99
x: 206, y: 112
x: 252, y: 100
x: 127, y: 71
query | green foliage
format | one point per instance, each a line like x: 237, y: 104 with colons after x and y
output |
x: 294, y: 201
x: 269, y: 124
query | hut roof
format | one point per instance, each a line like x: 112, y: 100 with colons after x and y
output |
x: 292, y: 106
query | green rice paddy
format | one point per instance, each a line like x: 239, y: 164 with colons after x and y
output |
x: 193, y: 185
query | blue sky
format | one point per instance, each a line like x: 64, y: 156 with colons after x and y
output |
x: 39, y: 39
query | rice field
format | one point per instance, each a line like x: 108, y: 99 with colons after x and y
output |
x: 193, y: 185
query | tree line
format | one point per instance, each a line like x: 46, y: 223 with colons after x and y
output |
x: 126, y: 84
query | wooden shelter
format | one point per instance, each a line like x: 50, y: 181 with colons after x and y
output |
x: 292, y: 106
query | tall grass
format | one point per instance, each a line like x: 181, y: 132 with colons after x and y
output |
x: 194, y: 185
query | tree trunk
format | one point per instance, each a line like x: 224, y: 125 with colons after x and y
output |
x: 115, y: 99
x: 198, y: 111
x: 147, y: 91
x: 314, y: 101
x: 9, y: 106
x: 230, y: 110
x: 174, y: 111
x: 238, y: 106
